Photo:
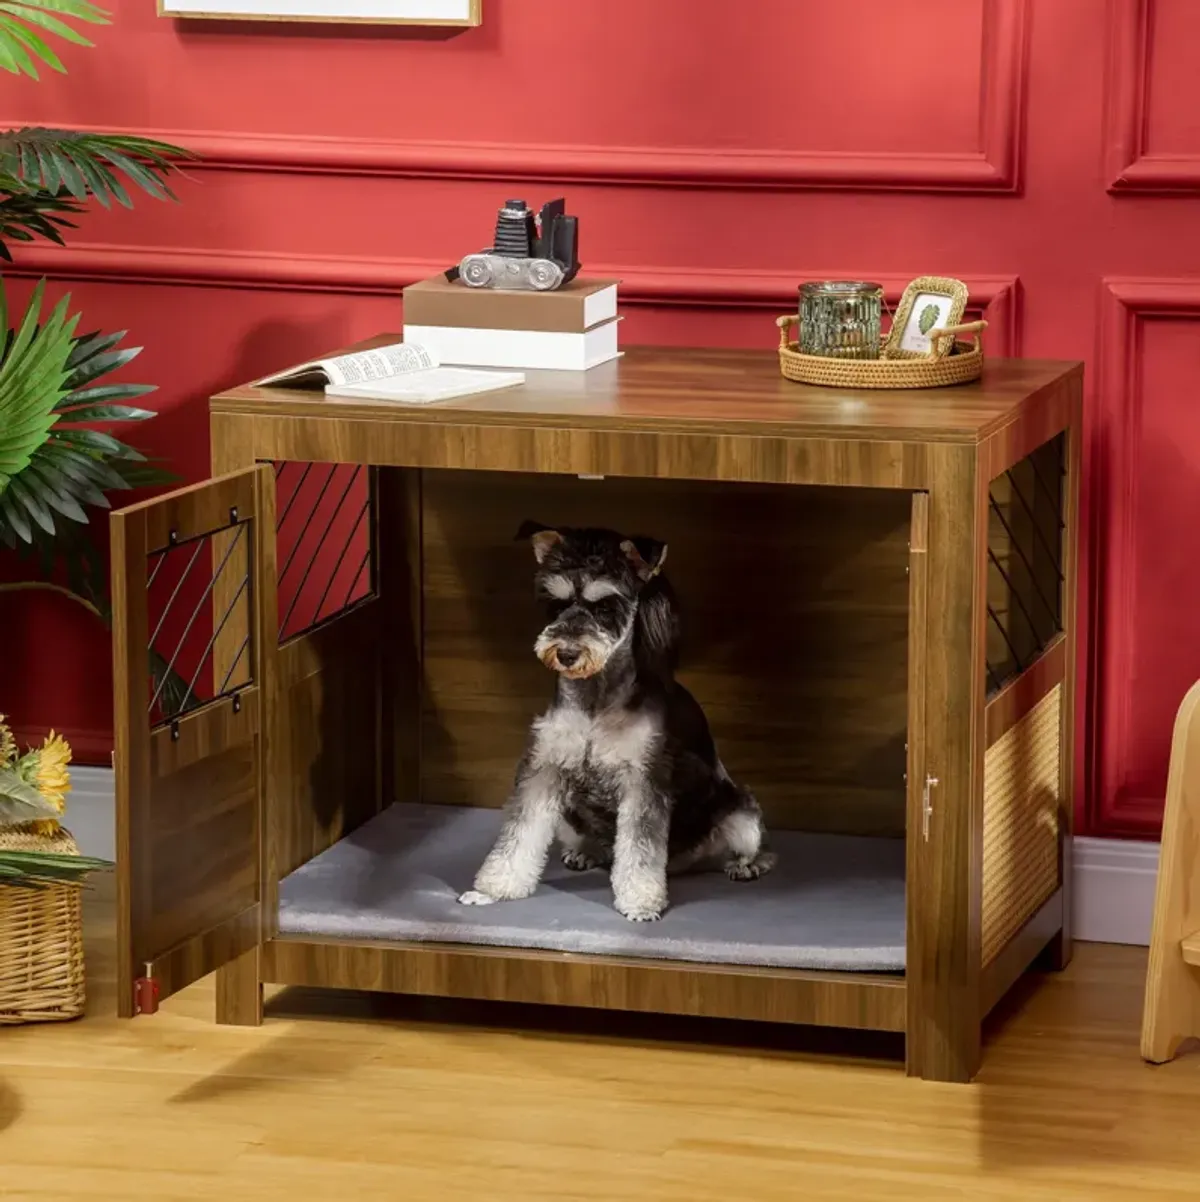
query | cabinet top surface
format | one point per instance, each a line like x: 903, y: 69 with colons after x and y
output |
x: 681, y: 389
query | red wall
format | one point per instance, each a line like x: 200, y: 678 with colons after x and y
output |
x: 717, y: 156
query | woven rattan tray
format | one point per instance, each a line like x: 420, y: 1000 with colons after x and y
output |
x: 942, y: 366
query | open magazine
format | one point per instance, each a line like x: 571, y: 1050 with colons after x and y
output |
x: 403, y: 372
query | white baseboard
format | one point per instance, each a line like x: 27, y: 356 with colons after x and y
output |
x: 91, y: 812
x: 1114, y: 890
x: 1114, y: 878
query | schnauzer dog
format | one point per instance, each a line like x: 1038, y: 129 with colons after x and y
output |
x: 622, y: 768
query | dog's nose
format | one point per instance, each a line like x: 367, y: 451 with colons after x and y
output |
x: 566, y: 656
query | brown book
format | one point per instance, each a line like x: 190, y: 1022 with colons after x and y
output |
x: 572, y: 309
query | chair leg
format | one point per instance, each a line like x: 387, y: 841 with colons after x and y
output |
x: 1172, y: 1005
x: 1172, y: 1013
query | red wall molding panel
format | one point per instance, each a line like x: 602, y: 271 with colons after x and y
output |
x: 993, y: 166
x: 1145, y: 647
x: 1139, y: 39
x: 993, y: 298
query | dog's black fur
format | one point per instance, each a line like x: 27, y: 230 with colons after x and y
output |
x: 622, y: 767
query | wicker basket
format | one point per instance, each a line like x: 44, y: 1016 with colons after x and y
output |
x: 958, y: 365
x: 41, y: 940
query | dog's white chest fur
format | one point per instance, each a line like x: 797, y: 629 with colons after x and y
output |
x: 570, y: 740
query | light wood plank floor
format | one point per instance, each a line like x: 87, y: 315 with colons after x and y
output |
x: 350, y: 1097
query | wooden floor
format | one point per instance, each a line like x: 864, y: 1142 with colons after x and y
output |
x: 351, y: 1098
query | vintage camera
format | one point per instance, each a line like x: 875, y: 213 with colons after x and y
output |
x: 536, y: 254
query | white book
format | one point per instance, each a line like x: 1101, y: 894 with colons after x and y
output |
x: 532, y: 349
x: 405, y: 372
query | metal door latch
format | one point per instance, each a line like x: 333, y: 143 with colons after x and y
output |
x: 145, y: 993
x: 927, y: 806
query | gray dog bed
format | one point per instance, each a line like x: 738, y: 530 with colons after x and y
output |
x: 831, y: 902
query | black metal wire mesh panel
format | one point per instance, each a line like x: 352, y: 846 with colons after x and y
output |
x: 1025, y: 562
x: 325, y: 552
x: 199, y: 597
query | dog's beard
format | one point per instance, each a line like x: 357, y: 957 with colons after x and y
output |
x: 594, y: 653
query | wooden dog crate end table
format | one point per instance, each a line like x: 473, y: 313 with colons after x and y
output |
x: 920, y: 547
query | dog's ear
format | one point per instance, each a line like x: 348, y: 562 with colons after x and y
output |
x: 542, y: 538
x: 658, y: 627
x: 647, y: 555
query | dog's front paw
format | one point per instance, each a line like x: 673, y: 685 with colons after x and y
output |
x: 473, y: 897
x: 577, y: 861
x: 639, y: 896
x: 501, y: 881
x: 641, y: 909
x: 750, y: 870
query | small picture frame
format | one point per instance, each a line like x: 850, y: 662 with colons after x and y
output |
x: 366, y: 12
x: 930, y: 302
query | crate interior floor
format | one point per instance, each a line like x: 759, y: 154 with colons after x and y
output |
x: 832, y: 902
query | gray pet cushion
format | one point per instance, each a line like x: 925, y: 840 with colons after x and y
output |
x: 831, y: 902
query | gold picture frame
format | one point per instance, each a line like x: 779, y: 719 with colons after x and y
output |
x: 249, y: 10
x: 930, y: 302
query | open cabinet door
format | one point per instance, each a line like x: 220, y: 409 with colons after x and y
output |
x: 195, y: 627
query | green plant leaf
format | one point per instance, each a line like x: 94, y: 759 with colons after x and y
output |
x: 16, y: 50
x: 14, y: 520
x: 21, y: 802
x: 94, y: 356
x: 33, y: 13
x: 25, y: 216
x: 146, y: 475
x: 50, y: 472
x: 91, y: 440
x: 64, y: 485
x: 104, y: 413
x: 33, y: 377
x: 88, y: 345
x: 89, y: 163
x: 21, y: 49
x: 37, y: 869
x: 51, y: 496
x: 85, y: 463
x: 174, y: 696
x: 105, y: 392
x: 98, y: 364
x: 23, y: 38
x: 21, y: 491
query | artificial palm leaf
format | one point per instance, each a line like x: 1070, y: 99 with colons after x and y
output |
x: 53, y: 466
x: 24, y: 24
x: 88, y: 164
x: 37, y: 869
x: 25, y: 216
x: 34, y: 374
x: 95, y: 355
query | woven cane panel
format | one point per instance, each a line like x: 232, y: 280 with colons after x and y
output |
x: 1020, y: 822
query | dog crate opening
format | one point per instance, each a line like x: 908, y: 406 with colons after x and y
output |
x: 795, y: 610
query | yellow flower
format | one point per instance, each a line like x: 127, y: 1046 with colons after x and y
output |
x: 52, y: 780
x: 45, y: 768
x: 8, y: 745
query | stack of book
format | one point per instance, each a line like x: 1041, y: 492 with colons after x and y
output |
x: 570, y: 329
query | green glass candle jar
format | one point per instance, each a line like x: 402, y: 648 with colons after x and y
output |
x: 840, y: 319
